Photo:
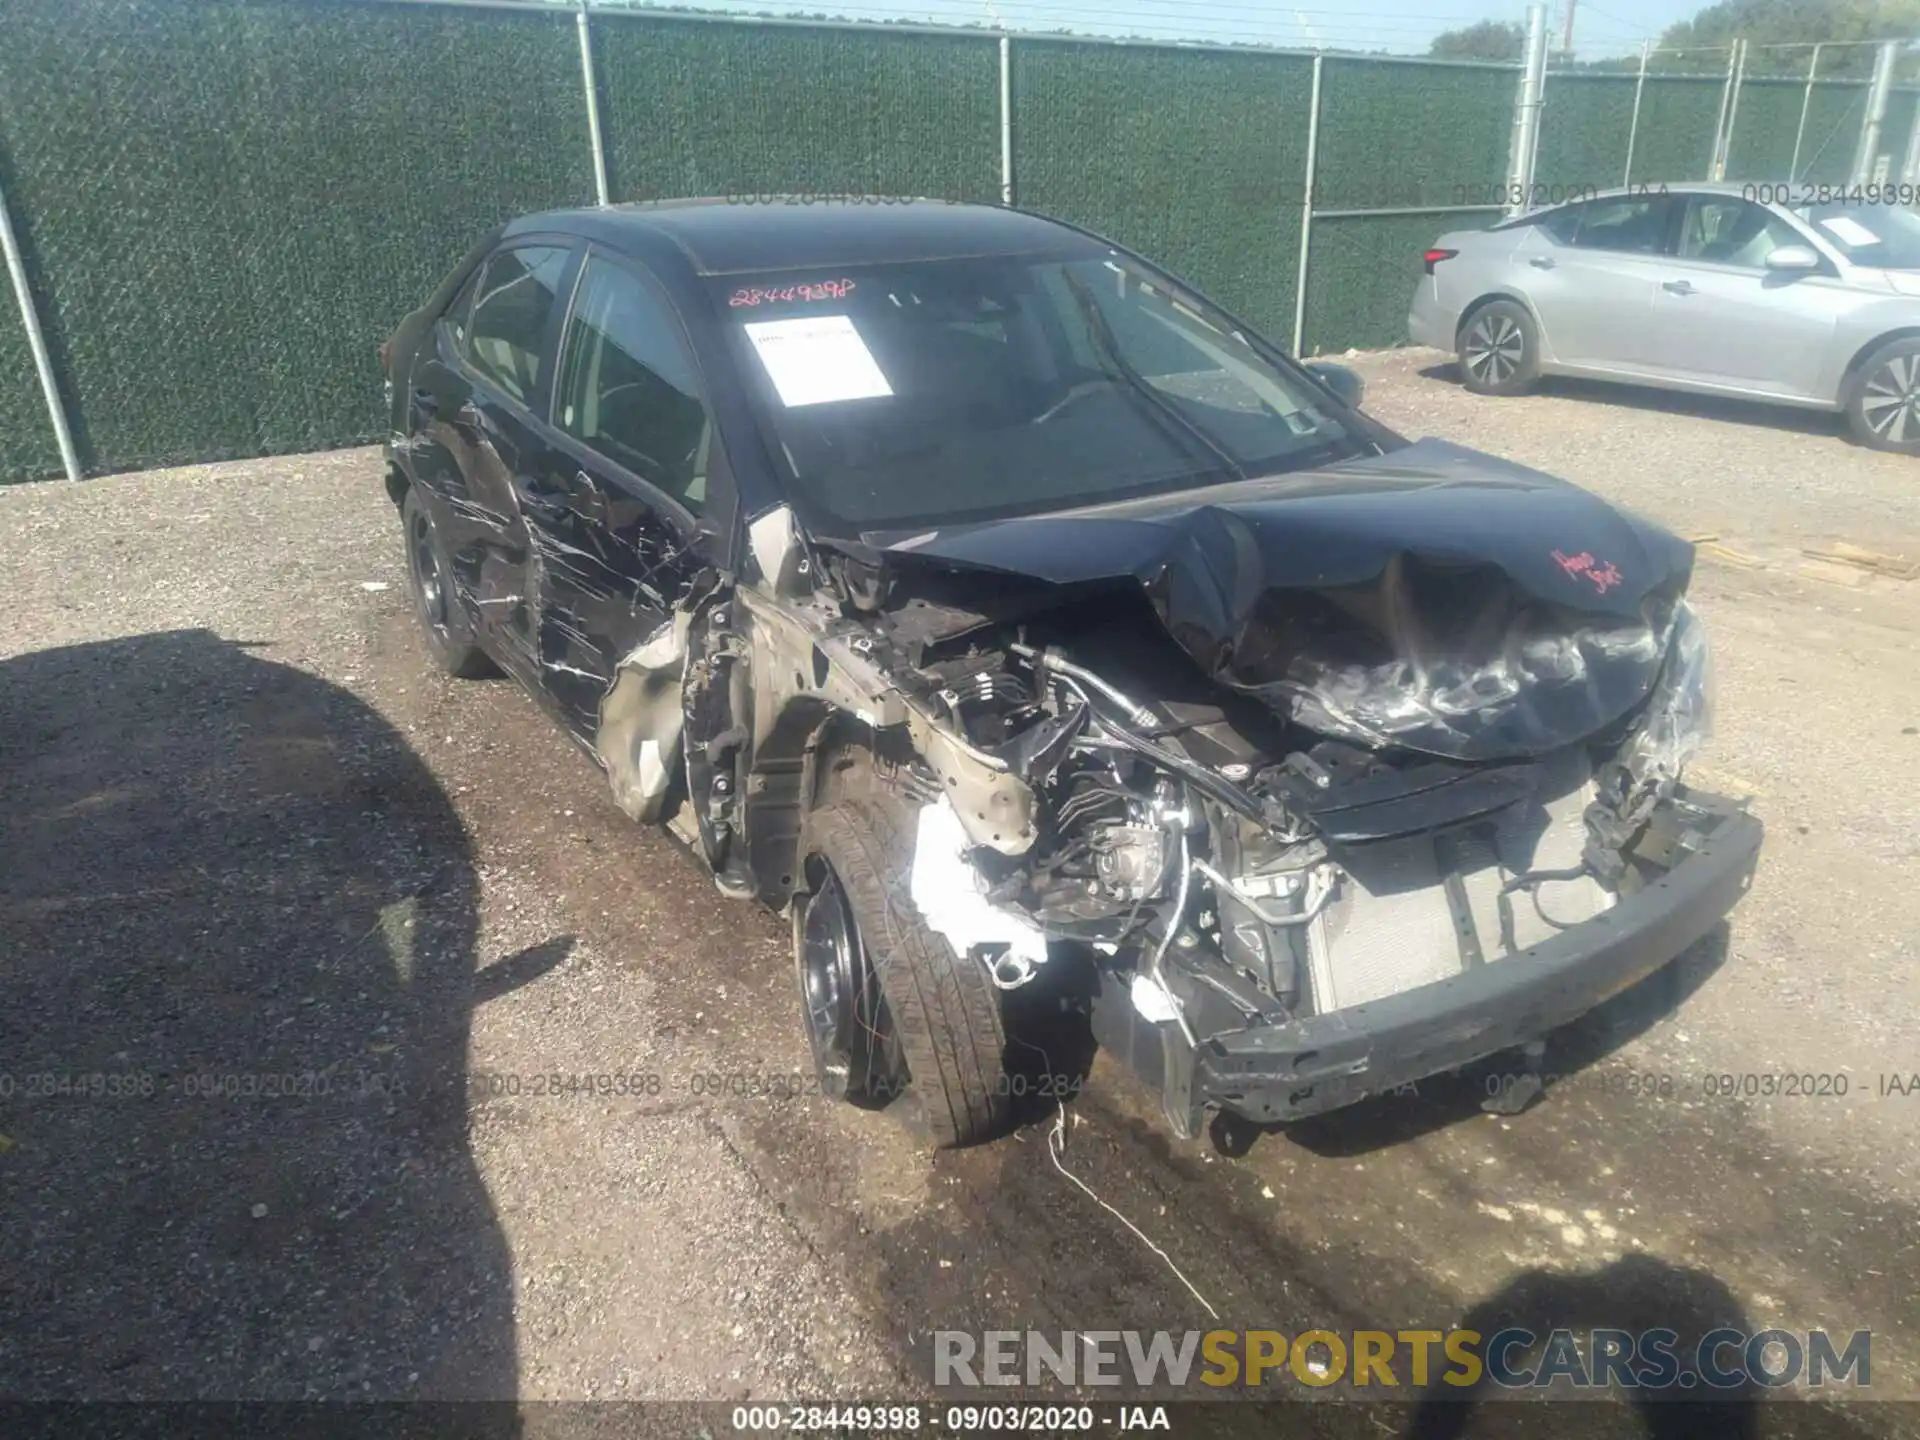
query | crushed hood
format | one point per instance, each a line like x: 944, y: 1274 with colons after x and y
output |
x: 1433, y: 597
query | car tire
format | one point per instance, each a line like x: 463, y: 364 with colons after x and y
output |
x: 449, y: 637
x: 892, y: 1012
x: 1499, y: 349
x: 1883, y: 400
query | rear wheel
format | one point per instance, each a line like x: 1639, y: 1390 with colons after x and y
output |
x: 1499, y: 348
x: 1883, y: 404
x: 890, y: 1009
x: 449, y: 638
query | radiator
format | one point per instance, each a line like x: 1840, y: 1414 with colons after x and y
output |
x: 1390, y: 926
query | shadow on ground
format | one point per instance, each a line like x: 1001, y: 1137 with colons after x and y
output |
x: 1673, y: 402
x: 1636, y: 1294
x: 237, y: 953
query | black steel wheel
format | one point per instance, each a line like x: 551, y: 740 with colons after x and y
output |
x: 1499, y: 349
x: 449, y: 638
x: 856, y: 1051
x: 891, y: 1011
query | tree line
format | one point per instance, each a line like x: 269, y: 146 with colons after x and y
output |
x: 1758, y: 22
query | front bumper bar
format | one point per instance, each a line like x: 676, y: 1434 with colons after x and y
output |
x: 1271, y: 1073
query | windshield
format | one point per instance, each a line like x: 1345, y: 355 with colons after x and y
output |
x: 1881, y: 237
x: 946, y: 391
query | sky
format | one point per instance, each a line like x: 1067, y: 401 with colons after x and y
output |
x: 1403, y: 26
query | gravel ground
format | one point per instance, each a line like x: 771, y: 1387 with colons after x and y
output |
x: 250, y: 834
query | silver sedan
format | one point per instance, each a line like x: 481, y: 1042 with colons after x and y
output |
x: 1780, y: 293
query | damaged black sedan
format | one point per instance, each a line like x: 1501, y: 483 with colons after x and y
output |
x: 1001, y: 608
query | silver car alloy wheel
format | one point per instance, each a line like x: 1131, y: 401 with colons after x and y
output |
x: 1891, y: 400
x: 1494, y: 349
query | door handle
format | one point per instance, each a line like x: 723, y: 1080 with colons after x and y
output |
x: 1677, y: 287
x: 1541, y: 262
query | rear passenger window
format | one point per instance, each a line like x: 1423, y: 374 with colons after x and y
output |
x: 507, y: 332
x: 462, y: 306
x: 1636, y: 224
x: 628, y: 387
x: 1562, y: 224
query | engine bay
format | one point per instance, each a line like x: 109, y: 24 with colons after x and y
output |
x: 1233, y: 849
x: 1245, y: 869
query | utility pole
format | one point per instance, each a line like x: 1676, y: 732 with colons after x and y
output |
x: 1566, y: 35
x: 1526, y: 113
x: 1633, y: 126
x: 1884, y: 59
x: 1729, y: 111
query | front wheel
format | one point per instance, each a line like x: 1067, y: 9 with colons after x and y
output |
x: 1883, y: 403
x: 1499, y: 349
x: 890, y: 1008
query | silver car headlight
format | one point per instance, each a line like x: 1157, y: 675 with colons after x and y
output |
x: 1679, y: 719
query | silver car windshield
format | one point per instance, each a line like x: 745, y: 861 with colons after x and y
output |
x: 1880, y: 237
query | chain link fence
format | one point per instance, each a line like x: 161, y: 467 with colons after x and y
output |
x: 223, y: 206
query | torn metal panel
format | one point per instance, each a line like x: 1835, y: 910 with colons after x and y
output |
x: 641, y: 719
x: 776, y: 553
x: 834, y: 664
x: 994, y: 806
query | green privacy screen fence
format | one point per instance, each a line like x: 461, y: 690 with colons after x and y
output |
x: 718, y: 109
x: 223, y: 206
x: 1193, y: 157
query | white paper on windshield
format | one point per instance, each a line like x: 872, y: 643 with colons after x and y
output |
x: 1848, y: 230
x: 817, y: 359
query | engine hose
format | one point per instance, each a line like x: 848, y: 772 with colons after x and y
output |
x: 1166, y: 939
x: 1224, y: 792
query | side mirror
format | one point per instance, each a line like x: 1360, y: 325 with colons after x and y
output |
x: 1344, y: 382
x: 1793, y: 259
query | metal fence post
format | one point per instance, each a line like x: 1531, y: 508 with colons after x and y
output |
x: 1806, y: 104
x: 1006, y: 120
x: 1306, y: 206
x: 585, y: 28
x: 1729, y: 109
x: 1716, y: 159
x: 1863, y: 156
x: 1633, y: 125
x: 1526, y: 112
x: 1910, y: 168
x: 37, y: 343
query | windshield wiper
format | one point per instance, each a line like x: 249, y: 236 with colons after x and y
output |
x: 1138, y: 384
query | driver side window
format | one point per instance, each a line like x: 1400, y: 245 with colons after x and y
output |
x: 629, y: 389
x: 1726, y: 230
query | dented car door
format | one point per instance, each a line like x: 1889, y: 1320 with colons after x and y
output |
x: 619, y: 484
x: 485, y: 386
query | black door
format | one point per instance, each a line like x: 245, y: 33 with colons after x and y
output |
x: 617, y: 491
x: 478, y: 393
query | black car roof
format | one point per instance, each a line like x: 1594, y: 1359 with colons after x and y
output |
x: 724, y: 236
